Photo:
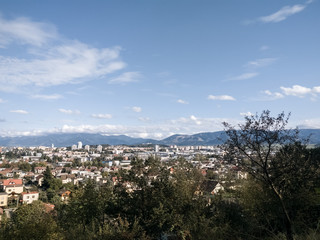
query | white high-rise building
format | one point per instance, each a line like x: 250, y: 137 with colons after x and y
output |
x: 79, y: 145
x: 87, y: 147
x: 99, y: 148
x: 156, y: 148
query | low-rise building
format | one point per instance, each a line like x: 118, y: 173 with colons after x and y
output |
x: 3, y: 199
x: 65, y: 195
x: 29, y: 197
x: 12, y: 185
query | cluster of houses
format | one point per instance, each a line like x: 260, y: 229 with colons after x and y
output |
x: 13, y: 188
x: 15, y: 182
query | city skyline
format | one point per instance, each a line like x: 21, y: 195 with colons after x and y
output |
x: 152, y: 69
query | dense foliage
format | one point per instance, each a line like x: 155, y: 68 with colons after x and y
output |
x: 152, y: 201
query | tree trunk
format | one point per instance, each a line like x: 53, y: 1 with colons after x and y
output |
x: 288, y: 224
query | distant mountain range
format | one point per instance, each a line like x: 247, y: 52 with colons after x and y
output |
x: 68, y: 139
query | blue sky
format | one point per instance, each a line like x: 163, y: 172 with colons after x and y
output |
x: 150, y: 68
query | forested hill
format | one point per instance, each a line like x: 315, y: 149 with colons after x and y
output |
x: 68, y: 139
x: 208, y: 138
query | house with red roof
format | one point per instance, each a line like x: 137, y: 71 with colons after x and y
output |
x: 12, y: 185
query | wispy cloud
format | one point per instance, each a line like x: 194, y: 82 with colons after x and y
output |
x: 170, y: 82
x: 19, y: 111
x: 102, y: 116
x: 68, y: 111
x: 182, y: 101
x: 136, y: 109
x: 262, y: 62
x: 273, y: 96
x: 25, y: 31
x: 282, y: 14
x: 51, y: 60
x: 1, y: 100
x: 144, y: 119
x: 251, y: 68
x: 245, y: 76
x: 221, y: 97
x: 127, y: 77
x: 264, y: 48
x: 47, y: 97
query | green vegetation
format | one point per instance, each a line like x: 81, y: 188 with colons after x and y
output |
x: 280, y: 199
x: 284, y: 172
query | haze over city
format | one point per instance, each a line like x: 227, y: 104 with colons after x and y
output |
x: 155, y: 68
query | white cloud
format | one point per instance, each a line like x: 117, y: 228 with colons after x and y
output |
x: 221, y: 97
x: 273, y: 96
x: 136, y: 109
x: 19, y: 111
x: 1, y: 100
x: 282, y: 14
x: 188, y: 125
x: 182, y: 101
x: 47, y: 97
x: 25, y: 31
x: 310, y: 123
x: 296, y: 90
x: 183, y: 125
x: 52, y: 60
x: 316, y: 89
x: 245, y: 76
x: 68, y: 111
x: 127, y: 77
x: 65, y: 64
x: 102, y: 116
x: 196, y: 120
x: 246, y: 114
x: 262, y: 62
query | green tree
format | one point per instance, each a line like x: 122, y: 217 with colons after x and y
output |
x: 24, y: 166
x: 47, y: 178
x: 84, y: 216
x: 31, y: 221
x: 271, y: 153
x: 164, y: 203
